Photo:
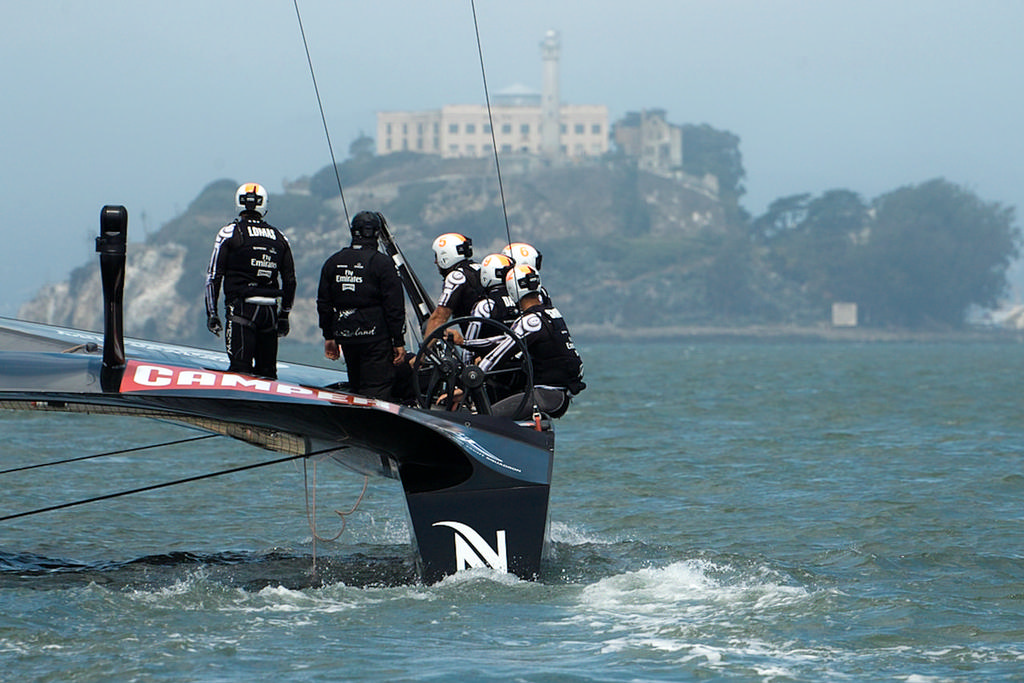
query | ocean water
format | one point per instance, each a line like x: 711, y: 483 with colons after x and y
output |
x: 720, y: 511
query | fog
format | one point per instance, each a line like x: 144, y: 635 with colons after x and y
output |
x: 144, y: 104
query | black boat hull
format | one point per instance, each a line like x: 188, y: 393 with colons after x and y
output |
x: 476, y: 486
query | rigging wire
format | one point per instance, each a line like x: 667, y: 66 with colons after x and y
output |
x: 103, y: 455
x: 165, y: 484
x: 323, y: 117
x: 487, y: 98
x: 344, y: 205
x: 490, y: 120
x: 422, y: 305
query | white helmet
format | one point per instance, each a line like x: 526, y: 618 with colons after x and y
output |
x: 493, y: 269
x: 251, y: 197
x: 521, y: 252
x: 451, y: 248
x: 522, y: 280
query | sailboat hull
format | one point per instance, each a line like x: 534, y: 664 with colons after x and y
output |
x: 476, y: 486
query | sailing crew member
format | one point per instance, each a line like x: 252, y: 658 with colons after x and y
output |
x: 522, y: 253
x: 496, y: 304
x: 462, y: 288
x: 361, y: 308
x: 557, y: 366
x: 254, y: 261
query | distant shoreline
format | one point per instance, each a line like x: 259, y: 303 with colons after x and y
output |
x: 822, y: 333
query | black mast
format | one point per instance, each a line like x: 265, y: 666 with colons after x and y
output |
x: 415, y: 290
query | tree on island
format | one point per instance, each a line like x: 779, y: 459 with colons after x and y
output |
x: 919, y: 256
x: 934, y: 251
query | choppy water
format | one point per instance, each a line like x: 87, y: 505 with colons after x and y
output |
x: 775, y: 512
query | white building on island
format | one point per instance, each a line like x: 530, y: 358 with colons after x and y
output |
x: 524, y: 123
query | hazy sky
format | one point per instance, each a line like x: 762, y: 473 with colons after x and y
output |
x: 144, y: 103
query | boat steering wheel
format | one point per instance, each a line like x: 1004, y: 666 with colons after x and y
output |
x: 444, y: 374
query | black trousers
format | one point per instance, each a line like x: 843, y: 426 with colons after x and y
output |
x: 250, y: 334
x: 551, y: 402
x: 370, y: 370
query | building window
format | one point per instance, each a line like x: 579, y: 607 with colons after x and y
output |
x: 506, y: 128
x: 487, y: 129
x: 419, y: 129
x: 471, y: 150
x: 578, y: 129
x: 387, y: 144
x: 453, y: 150
x: 596, y: 129
x: 564, y: 129
x: 470, y: 128
x: 405, y: 129
x: 419, y: 143
x: 506, y: 149
x: 437, y: 128
x: 387, y: 129
x: 525, y: 129
x: 437, y: 143
x: 453, y: 128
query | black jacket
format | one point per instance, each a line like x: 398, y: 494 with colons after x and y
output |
x: 462, y: 289
x: 360, y: 297
x: 556, y: 362
x: 252, y: 258
x: 496, y: 305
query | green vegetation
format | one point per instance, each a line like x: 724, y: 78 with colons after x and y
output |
x: 917, y: 257
x: 716, y: 152
x: 324, y: 184
x: 411, y: 200
x: 625, y: 248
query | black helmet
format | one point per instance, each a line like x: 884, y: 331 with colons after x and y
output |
x: 366, y: 225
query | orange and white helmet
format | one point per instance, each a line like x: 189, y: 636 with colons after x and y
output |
x: 451, y: 248
x: 493, y: 269
x: 251, y: 197
x: 521, y: 253
x: 522, y: 280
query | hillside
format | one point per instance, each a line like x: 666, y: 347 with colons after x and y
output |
x: 621, y: 247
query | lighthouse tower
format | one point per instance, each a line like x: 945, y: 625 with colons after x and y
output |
x: 550, y: 104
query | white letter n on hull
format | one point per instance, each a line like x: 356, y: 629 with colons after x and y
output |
x: 471, y: 550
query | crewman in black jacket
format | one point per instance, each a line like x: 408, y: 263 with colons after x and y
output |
x: 254, y: 261
x: 496, y: 303
x: 362, y: 310
x: 557, y: 366
x: 462, y: 288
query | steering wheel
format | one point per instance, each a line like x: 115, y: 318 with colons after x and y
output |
x: 442, y: 370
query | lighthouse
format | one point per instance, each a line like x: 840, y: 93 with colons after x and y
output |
x: 550, y: 104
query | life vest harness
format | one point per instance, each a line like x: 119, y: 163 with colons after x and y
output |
x: 258, y: 303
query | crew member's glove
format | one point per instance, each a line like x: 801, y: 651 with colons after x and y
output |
x: 213, y: 324
x: 283, y: 328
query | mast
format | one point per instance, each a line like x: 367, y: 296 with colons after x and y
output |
x: 414, y: 289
